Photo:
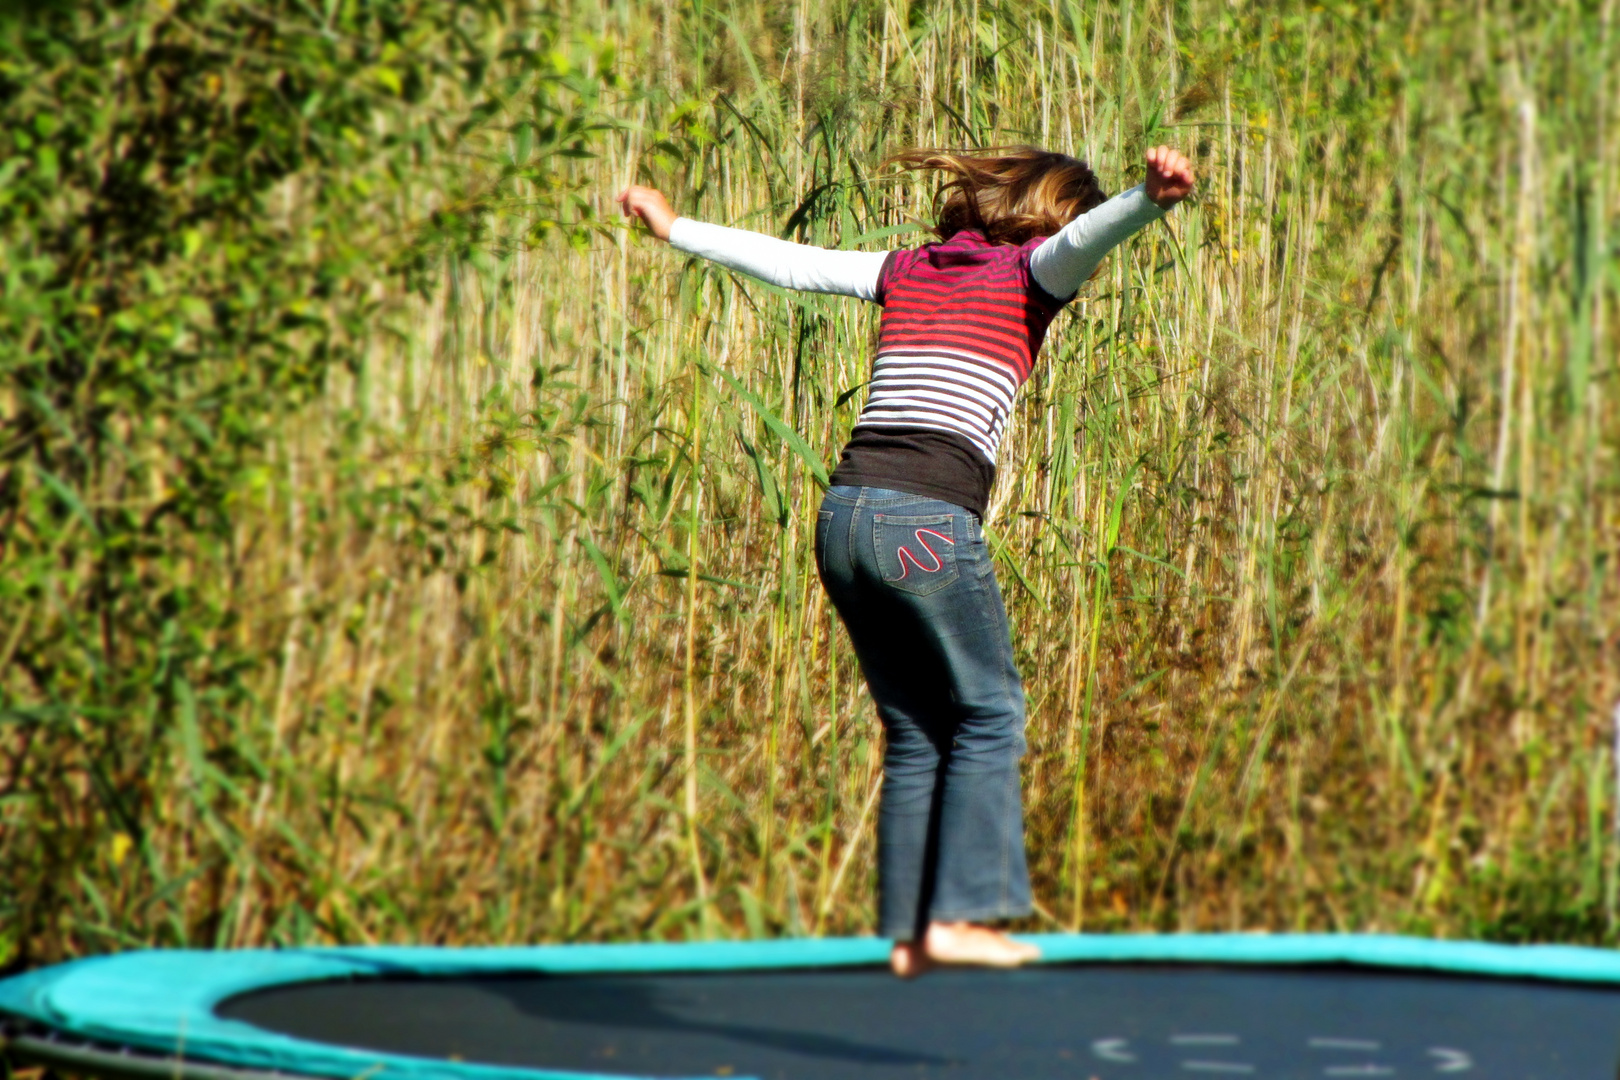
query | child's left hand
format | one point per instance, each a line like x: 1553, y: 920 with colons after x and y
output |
x: 650, y: 206
x: 1169, y: 176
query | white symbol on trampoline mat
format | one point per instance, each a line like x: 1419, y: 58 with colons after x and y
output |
x: 1365, y: 1046
x: 1343, y: 1044
x: 1120, y: 1050
x: 1229, y: 1067
x: 1113, y: 1049
x: 1450, y: 1061
x: 1446, y: 1060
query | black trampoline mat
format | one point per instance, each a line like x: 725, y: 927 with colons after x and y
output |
x: 1103, y: 1021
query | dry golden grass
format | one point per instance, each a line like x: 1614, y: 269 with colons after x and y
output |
x: 1307, y: 523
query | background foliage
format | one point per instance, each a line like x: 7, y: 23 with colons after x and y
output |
x: 394, y: 548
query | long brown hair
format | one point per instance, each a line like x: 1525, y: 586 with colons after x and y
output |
x: 1010, y: 194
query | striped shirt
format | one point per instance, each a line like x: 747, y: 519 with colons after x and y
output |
x: 962, y: 322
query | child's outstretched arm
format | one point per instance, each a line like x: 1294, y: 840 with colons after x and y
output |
x: 1064, y: 261
x: 778, y: 262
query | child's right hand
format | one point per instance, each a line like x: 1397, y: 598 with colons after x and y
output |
x: 650, y: 206
x: 1169, y: 176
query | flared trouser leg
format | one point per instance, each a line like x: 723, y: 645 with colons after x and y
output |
x: 912, y: 582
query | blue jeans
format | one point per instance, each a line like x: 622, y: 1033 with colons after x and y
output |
x: 912, y: 580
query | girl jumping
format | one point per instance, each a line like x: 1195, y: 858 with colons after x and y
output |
x: 899, y: 538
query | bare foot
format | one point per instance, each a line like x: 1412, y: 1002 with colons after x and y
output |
x: 969, y: 943
x: 908, y: 960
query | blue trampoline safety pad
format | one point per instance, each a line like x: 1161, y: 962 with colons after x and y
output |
x: 170, y: 1002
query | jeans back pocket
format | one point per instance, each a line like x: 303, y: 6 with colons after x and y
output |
x: 915, y: 554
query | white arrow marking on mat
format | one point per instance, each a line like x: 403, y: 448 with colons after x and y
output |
x: 1450, y: 1060
x: 1113, y: 1049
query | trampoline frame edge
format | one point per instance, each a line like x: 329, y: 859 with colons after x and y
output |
x: 93, y: 1039
x: 105, y: 1061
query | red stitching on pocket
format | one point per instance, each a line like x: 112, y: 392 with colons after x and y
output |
x: 905, y: 553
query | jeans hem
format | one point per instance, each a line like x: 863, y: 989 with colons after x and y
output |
x: 983, y: 914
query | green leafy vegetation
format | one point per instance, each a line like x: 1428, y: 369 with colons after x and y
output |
x: 393, y: 547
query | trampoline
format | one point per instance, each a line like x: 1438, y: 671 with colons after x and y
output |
x: 1105, y: 1007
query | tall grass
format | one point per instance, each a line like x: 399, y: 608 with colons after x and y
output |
x: 1306, y: 524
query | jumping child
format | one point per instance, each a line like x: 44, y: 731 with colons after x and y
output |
x: 899, y: 538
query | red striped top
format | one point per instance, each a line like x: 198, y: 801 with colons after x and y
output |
x: 966, y: 294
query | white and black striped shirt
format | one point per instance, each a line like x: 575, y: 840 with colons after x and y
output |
x: 963, y: 320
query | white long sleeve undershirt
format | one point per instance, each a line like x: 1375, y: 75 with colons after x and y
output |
x: 782, y: 262
x: 1060, y: 265
x: 1065, y: 261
